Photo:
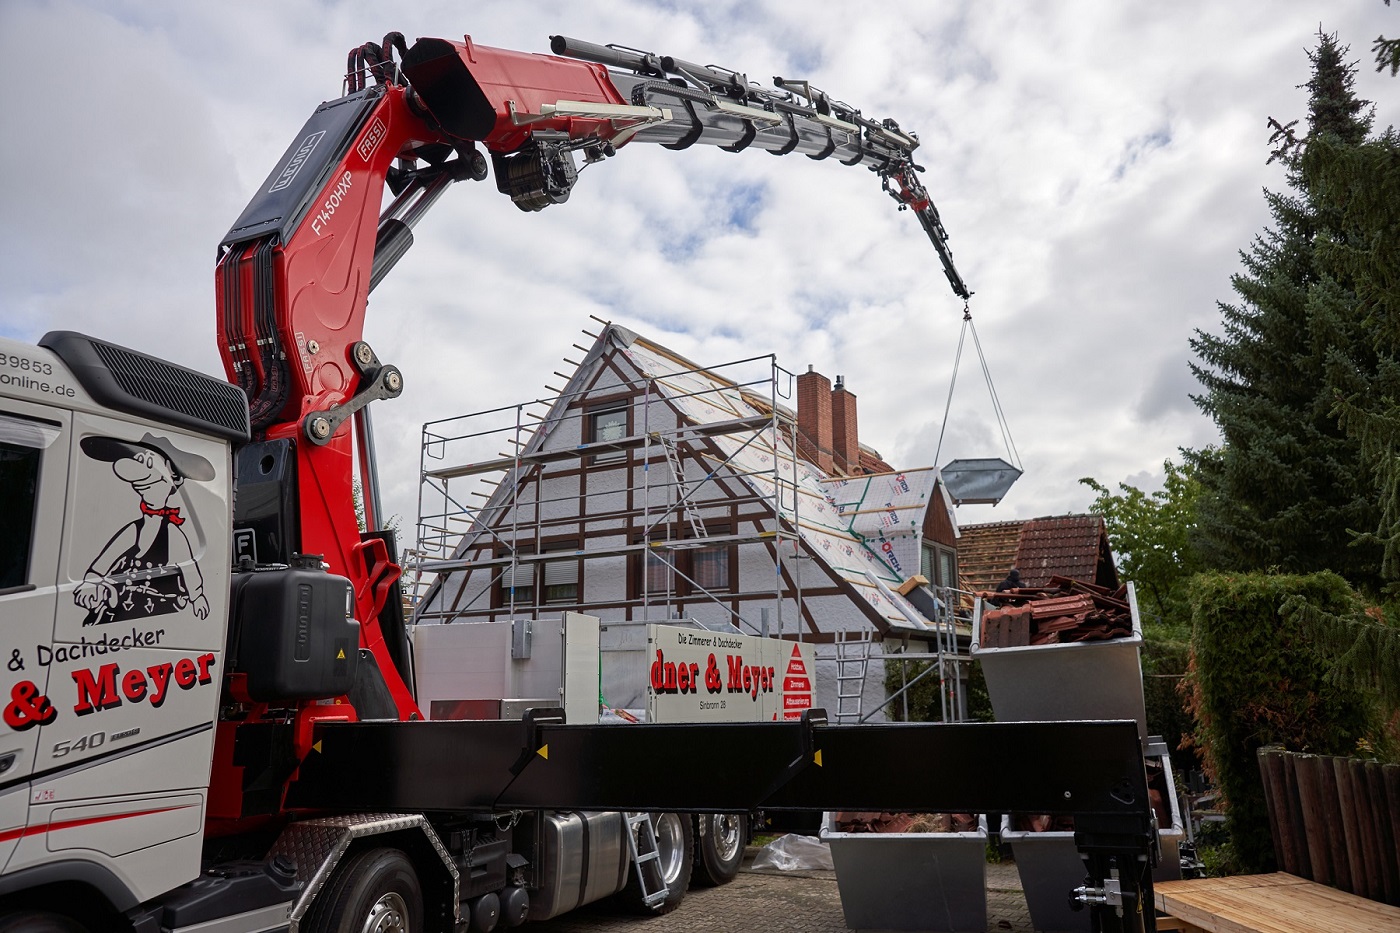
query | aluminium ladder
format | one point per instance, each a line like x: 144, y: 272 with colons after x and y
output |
x: 673, y: 459
x: 852, y: 664
x: 646, y: 857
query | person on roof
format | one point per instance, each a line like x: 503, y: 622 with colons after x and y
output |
x: 1012, y: 581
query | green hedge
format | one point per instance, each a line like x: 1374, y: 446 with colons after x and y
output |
x: 1164, y: 662
x: 1255, y: 680
x: 923, y: 697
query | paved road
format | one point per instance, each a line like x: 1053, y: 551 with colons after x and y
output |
x: 778, y: 902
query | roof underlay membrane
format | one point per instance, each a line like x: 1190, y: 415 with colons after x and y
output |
x: 865, y: 528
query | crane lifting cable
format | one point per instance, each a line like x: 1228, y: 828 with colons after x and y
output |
x: 981, y: 481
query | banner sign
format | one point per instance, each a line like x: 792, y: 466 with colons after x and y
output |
x: 701, y: 676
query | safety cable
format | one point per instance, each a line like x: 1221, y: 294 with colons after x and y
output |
x: 991, y: 391
x: 996, y: 401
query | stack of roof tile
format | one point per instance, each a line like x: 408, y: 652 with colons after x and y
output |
x: 1064, y: 611
x: 867, y: 822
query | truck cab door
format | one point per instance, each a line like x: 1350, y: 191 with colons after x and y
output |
x: 34, y: 443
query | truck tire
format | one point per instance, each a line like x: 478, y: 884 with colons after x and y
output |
x: 719, y: 847
x: 38, y: 921
x: 376, y: 889
x: 676, y: 843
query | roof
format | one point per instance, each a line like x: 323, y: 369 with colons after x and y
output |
x: 1073, y: 546
x: 986, y: 552
x: 865, y: 529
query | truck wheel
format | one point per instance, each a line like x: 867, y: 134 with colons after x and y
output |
x: 719, y: 847
x: 38, y: 921
x: 376, y: 891
x: 676, y: 844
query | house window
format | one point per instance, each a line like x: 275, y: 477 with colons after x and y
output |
x: 561, y: 576
x: 606, y: 425
x: 709, y: 566
x: 948, y: 568
x: 19, y: 478
x: 939, y: 565
x: 518, y: 583
x: 660, y: 577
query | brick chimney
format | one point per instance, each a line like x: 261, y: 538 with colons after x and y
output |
x: 845, y: 441
x: 814, y: 415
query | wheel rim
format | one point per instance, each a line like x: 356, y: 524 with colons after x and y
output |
x: 388, y: 915
x: 670, y: 844
x: 726, y: 831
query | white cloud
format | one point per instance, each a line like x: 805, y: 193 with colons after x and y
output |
x: 1097, y: 165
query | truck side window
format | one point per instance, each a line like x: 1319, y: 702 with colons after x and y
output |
x: 21, y: 446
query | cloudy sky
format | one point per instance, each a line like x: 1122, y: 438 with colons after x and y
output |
x: 1097, y: 165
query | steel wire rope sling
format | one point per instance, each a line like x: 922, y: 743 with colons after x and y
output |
x: 991, y: 391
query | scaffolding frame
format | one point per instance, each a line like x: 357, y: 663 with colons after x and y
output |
x: 449, y: 525
x: 514, y: 484
x: 949, y: 664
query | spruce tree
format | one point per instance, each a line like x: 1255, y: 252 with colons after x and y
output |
x: 1365, y: 180
x: 1287, y: 490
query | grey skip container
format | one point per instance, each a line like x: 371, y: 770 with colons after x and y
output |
x: 1050, y: 866
x: 1074, y: 680
x: 911, y: 881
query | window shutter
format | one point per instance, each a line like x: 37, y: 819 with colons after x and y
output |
x: 561, y: 573
x: 518, y: 575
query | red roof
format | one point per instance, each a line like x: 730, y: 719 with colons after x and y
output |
x: 1074, y: 546
x: 986, y: 553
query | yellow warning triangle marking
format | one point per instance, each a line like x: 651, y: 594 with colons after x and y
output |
x: 543, y: 752
x: 341, y: 655
x: 817, y: 757
x: 316, y: 747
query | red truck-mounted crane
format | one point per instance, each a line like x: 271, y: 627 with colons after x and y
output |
x: 192, y: 747
x: 297, y: 267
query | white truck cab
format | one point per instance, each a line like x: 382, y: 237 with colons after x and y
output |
x: 114, y: 583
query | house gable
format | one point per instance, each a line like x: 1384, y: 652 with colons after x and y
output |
x: 1074, y: 546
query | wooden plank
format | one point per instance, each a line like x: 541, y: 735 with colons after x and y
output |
x: 1331, y: 803
x: 1314, y: 819
x: 1174, y: 923
x: 1385, y: 832
x: 1270, y: 762
x: 1269, y: 879
x: 1372, y: 862
x: 1391, y: 775
x: 1295, y: 816
x: 1277, y: 903
x: 1349, y: 823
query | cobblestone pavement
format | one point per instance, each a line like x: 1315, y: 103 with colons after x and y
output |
x: 778, y: 902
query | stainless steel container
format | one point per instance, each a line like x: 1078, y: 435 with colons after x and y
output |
x: 1050, y: 866
x: 1078, y: 680
x: 582, y: 857
x: 911, y: 881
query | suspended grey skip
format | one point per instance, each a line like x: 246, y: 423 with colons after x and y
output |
x: 983, y: 480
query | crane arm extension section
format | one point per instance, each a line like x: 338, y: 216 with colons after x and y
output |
x: 720, y: 107
x: 295, y: 271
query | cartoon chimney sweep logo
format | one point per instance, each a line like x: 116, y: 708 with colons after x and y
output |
x: 148, y: 567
